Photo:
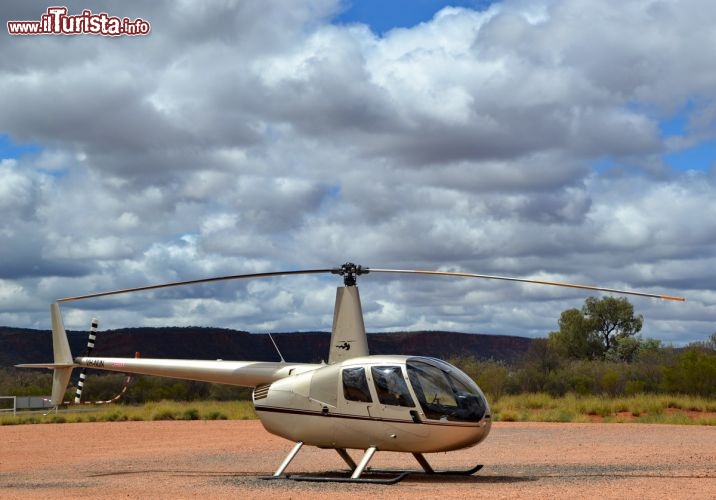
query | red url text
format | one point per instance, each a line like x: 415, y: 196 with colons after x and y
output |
x: 57, y: 22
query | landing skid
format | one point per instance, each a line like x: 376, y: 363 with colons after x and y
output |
x: 368, y: 480
x: 385, y: 476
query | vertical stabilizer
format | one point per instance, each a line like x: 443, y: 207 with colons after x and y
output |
x: 348, y: 338
x: 63, y: 357
x: 60, y: 344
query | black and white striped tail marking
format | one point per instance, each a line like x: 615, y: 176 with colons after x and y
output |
x: 83, y: 373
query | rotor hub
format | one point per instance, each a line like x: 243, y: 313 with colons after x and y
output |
x: 350, y: 271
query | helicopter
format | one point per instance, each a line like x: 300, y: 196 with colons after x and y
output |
x: 398, y: 403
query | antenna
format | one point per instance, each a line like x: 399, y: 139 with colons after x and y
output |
x: 277, y: 350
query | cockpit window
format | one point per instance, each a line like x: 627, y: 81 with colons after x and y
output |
x: 444, y: 395
x: 355, y: 385
x: 390, y: 386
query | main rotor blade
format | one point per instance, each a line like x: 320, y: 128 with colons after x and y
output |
x: 524, y: 280
x: 194, y: 282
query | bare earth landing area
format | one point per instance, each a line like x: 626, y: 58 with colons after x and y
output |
x: 224, y: 459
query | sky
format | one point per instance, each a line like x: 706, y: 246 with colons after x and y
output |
x: 562, y: 140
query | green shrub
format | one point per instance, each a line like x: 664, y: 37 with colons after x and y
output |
x: 190, y: 414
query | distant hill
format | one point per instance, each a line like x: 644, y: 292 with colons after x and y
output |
x: 20, y: 345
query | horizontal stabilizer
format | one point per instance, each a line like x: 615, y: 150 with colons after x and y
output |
x: 49, y: 366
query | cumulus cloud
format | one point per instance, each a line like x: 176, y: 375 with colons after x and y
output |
x: 523, y: 139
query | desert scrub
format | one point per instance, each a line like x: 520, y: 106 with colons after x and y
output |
x: 646, y: 408
x: 535, y: 407
x: 155, y: 410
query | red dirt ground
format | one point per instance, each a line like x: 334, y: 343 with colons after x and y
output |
x: 224, y: 459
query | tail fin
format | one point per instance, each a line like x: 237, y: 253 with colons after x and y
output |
x: 63, y: 362
x: 62, y: 356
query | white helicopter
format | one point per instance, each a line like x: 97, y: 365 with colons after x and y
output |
x: 411, y: 404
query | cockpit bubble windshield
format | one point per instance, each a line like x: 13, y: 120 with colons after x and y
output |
x: 444, y: 392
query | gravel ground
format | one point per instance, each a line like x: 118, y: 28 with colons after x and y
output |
x: 222, y: 459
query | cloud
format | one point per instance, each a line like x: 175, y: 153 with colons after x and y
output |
x: 524, y: 139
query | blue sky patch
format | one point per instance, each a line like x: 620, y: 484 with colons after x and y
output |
x: 700, y: 157
x: 383, y: 16
x: 10, y: 149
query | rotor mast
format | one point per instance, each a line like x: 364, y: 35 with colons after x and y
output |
x: 348, y: 337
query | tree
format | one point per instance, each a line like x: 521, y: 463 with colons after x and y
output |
x: 708, y: 345
x: 693, y: 373
x: 604, y: 328
x: 539, y: 363
x: 612, y: 319
x: 541, y: 356
x: 575, y: 338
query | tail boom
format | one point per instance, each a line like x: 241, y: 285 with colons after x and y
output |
x: 240, y: 373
